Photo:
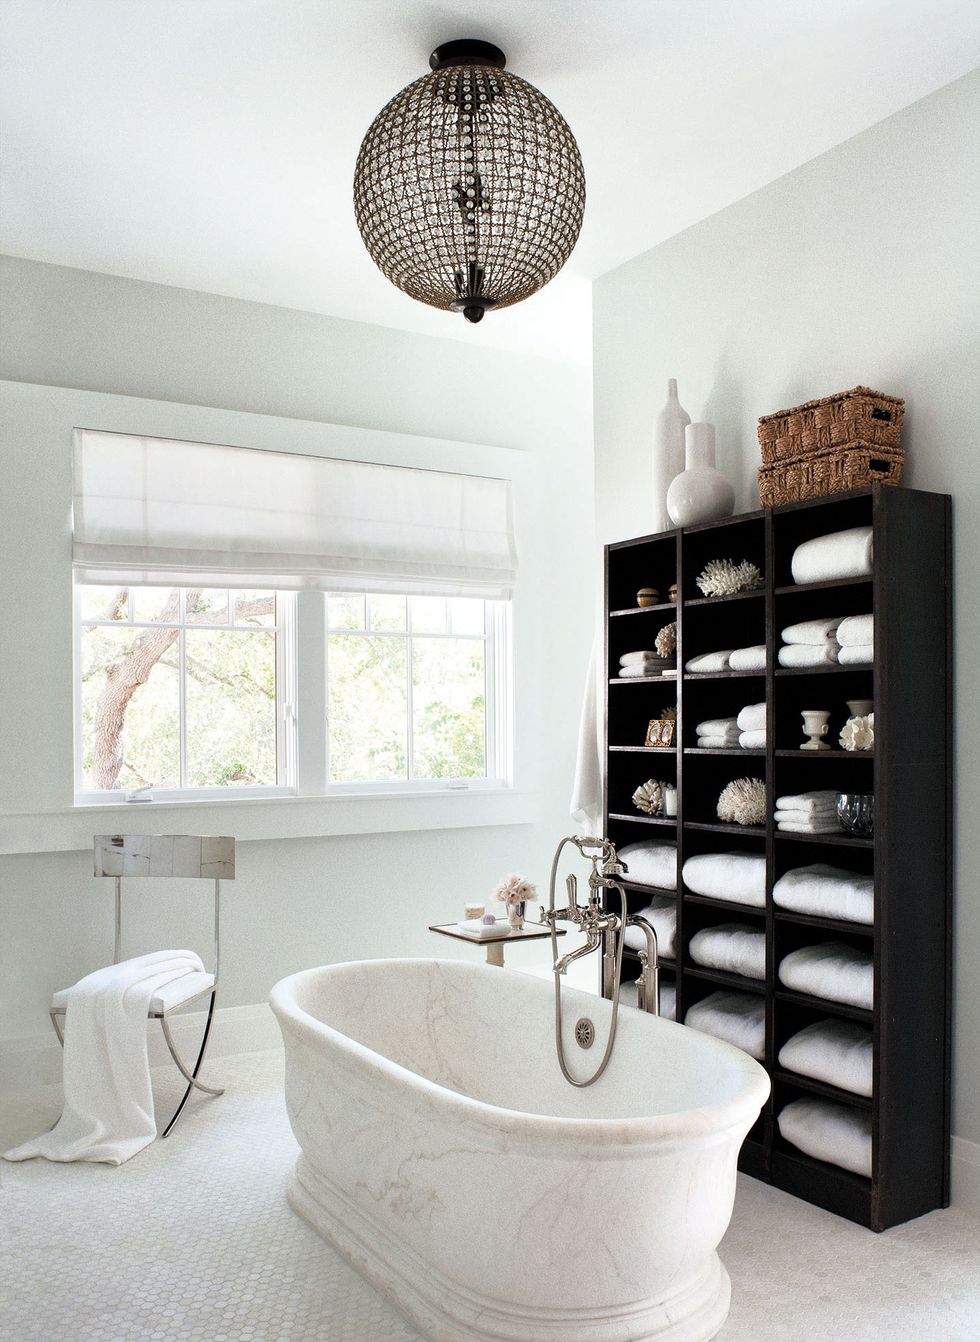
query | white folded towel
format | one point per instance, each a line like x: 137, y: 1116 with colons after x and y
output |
x: 826, y: 892
x: 815, y: 632
x: 836, y: 1051
x: 856, y: 629
x: 651, y: 863
x: 718, y: 742
x: 807, y: 654
x: 634, y: 658
x: 856, y: 654
x: 821, y: 799
x: 628, y: 996
x: 735, y: 948
x: 718, y: 727
x: 473, y: 927
x: 831, y: 970
x: 708, y: 661
x: 661, y: 913
x: 752, y: 718
x: 108, y: 1108
x: 645, y: 669
x: 790, y: 822
x: 749, y: 659
x: 738, y: 1018
x: 842, y: 554
x: 738, y: 877
x: 829, y: 1131
x: 753, y: 740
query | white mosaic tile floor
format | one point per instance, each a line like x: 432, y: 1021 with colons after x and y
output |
x: 193, y: 1240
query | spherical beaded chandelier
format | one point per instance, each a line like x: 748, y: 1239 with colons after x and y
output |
x: 469, y: 189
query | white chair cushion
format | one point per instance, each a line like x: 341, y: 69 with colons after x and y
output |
x: 171, y: 995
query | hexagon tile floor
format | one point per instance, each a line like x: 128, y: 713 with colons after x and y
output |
x: 192, y: 1241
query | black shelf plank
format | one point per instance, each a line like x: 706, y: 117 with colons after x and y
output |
x: 642, y: 888
x: 643, y: 680
x: 734, y: 752
x: 725, y: 675
x: 825, y: 754
x: 726, y: 980
x: 725, y: 827
x: 832, y: 586
x: 644, y: 819
x: 825, y: 924
x: 821, y: 1088
x: 717, y: 600
x: 822, y: 1004
x: 728, y: 905
x: 825, y: 669
x: 643, y: 610
x: 640, y: 750
x: 838, y: 840
x: 828, y: 1186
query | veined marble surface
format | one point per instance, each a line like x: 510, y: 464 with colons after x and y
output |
x: 449, y: 1161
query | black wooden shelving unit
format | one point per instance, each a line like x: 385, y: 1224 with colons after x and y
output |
x: 909, y: 773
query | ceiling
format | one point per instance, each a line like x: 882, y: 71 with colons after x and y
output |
x: 210, y: 144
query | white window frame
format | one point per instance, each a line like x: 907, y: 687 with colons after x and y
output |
x: 286, y: 745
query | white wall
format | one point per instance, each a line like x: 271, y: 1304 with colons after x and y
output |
x: 219, y: 368
x: 860, y: 267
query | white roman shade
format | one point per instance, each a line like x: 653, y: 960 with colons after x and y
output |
x: 157, y: 511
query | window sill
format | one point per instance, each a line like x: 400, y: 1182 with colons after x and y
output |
x: 254, y: 818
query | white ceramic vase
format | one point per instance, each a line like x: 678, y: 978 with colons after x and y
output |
x: 700, y: 493
x: 668, y: 452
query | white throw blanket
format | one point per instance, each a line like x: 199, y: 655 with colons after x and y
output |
x: 831, y: 970
x: 807, y: 654
x: 735, y: 948
x: 827, y: 892
x: 749, y: 659
x: 709, y: 661
x: 812, y: 631
x: 856, y: 654
x: 108, y: 1111
x: 738, y: 877
x: 831, y: 1132
x: 856, y: 629
x: 836, y: 1051
x: 738, y: 1018
x: 842, y: 554
x: 651, y: 863
x: 661, y: 914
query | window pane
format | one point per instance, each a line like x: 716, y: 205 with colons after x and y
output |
x: 428, y: 614
x: 130, y: 732
x: 207, y: 606
x: 103, y: 603
x: 449, y: 689
x: 387, y: 613
x: 231, y: 708
x: 466, y: 615
x: 345, y: 612
x: 152, y: 604
x: 368, y: 708
x: 255, y: 608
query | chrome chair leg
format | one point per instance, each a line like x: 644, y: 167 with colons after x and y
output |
x: 190, y: 1077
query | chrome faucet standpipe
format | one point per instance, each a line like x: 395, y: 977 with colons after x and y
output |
x: 601, y: 928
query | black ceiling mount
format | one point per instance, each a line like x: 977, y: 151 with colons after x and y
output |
x: 467, y: 51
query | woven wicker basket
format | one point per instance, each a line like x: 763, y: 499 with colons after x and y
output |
x: 856, y: 416
x: 814, y: 475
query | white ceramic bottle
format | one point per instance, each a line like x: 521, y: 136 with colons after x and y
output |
x: 668, y: 452
x: 700, y: 493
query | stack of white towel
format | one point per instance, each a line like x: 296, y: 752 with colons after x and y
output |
x: 810, y: 643
x: 827, y: 892
x: 808, y: 813
x: 751, y: 723
x: 729, y: 659
x: 644, y: 663
x: 856, y: 636
x: 718, y: 734
x: 842, y: 554
x: 739, y: 878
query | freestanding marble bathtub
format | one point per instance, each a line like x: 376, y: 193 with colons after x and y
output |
x: 447, y: 1159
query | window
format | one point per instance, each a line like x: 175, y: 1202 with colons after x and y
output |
x: 179, y: 688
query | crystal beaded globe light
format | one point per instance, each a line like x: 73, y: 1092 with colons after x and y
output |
x: 469, y: 189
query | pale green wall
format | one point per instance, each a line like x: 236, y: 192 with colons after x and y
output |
x: 860, y: 267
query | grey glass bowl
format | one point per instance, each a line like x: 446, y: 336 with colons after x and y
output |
x: 856, y: 813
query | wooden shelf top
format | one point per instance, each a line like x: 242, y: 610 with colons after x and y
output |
x: 728, y: 980
x: 831, y: 754
x: 725, y: 827
x: 847, y: 840
x: 724, y: 675
x: 823, y: 1004
x: 820, y: 1088
x: 717, y: 600
x: 643, y: 680
x: 644, y: 819
x: 644, y: 610
x: 825, y: 924
x: 826, y: 669
x: 734, y: 752
x: 645, y: 750
x: 791, y: 589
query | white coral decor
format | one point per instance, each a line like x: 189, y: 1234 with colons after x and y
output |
x: 743, y: 802
x: 859, y: 733
x: 666, y: 641
x: 723, y: 577
x: 649, y: 797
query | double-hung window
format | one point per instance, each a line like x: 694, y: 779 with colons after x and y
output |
x: 250, y: 623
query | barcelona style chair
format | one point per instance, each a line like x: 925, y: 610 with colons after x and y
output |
x: 184, y: 856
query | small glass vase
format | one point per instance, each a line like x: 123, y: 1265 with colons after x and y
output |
x: 515, y: 914
x: 856, y: 813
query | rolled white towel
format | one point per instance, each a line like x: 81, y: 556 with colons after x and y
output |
x: 738, y: 877
x: 842, y: 554
x: 816, y: 632
x: 644, y: 669
x: 718, y: 742
x: 826, y: 892
x: 831, y: 970
x: 753, y: 740
x: 717, y: 727
x: 661, y: 913
x: 836, y: 1051
x: 807, y: 654
x: 651, y: 863
x: 709, y: 661
x: 821, y: 799
x: 749, y: 659
x: 738, y: 1018
x: 856, y: 654
x: 643, y: 655
x: 829, y: 1131
x: 856, y: 629
x: 752, y: 718
x: 735, y: 948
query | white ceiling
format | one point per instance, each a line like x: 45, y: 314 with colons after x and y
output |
x: 210, y: 144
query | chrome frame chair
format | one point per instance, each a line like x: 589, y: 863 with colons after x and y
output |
x: 187, y: 856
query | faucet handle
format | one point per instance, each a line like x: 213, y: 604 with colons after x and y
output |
x: 571, y: 885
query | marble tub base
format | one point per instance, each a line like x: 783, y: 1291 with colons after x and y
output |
x: 444, y: 1312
